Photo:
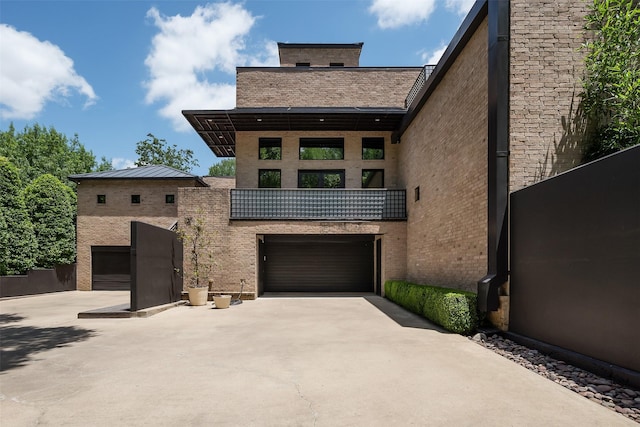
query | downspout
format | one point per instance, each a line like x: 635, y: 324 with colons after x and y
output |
x: 498, y: 15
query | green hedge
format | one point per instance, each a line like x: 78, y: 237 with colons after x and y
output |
x: 453, y: 309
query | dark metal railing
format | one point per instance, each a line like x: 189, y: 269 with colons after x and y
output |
x: 319, y: 204
x: 419, y: 83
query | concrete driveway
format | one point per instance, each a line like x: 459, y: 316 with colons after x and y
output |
x: 324, y: 361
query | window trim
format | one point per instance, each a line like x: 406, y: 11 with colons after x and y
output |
x: 321, y: 142
x: 373, y: 142
x: 321, y: 173
x: 260, y: 171
x: 416, y: 193
x: 270, y: 142
x: 373, y: 170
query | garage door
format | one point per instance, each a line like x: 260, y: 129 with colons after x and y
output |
x: 318, y: 263
x: 110, y: 268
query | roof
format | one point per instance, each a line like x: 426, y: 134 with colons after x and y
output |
x: 320, y: 45
x: 218, y: 127
x: 151, y: 172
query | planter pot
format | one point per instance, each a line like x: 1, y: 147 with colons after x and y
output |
x: 198, y: 296
x: 222, y: 301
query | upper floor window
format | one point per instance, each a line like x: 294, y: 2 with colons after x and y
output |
x: 270, y: 149
x: 321, y: 178
x: 102, y: 199
x: 336, y: 64
x: 135, y: 198
x: 303, y: 64
x: 269, y: 178
x: 321, y: 148
x: 169, y: 198
x: 372, y: 178
x: 372, y: 148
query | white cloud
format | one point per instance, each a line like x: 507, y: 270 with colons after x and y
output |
x: 34, y: 72
x: 432, y: 57
x: 120, y: 163
x: 186, y: 48
x: 461, y: 7
x: 398, y: 13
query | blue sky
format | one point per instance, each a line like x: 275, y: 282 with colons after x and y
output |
x: 114, y: 71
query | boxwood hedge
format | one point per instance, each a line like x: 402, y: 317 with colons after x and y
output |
x: 453, y: 309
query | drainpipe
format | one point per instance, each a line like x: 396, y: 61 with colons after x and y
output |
x: 498, y: 156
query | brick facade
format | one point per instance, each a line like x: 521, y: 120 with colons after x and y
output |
x: 324, y: 87
x: 235, y: 243
x: 444, y: 152
x: 109, y: 224
x: 248, y: 164
x: 546, y: 67
x: 349, y: 56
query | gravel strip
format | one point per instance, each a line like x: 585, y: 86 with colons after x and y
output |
x: 607, y: 393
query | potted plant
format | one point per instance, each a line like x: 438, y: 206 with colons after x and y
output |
x: 192, y: 235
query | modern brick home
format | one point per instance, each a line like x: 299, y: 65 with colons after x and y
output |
x: 348, y: 176
x: 107, y: 203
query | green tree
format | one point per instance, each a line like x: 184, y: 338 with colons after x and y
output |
x: 611, y: 97
x: 104, y: 165
x: 226, y: 167
x: 154, y: 151
x: 51, y: 208
x: 37, y: 150
x: 16, y: 227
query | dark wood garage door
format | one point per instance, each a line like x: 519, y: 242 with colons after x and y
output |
x: 318, y: 263
x: 110, y: 268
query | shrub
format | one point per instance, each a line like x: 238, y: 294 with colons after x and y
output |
x: 452, y: 309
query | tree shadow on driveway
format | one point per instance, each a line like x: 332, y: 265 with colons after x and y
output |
x: 19, y: 343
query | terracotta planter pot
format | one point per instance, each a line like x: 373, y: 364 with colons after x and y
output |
x: 198, y: 296
x: 222, y: 301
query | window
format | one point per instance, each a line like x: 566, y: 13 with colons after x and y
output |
x: 169, y: 198
x: 372, y: 178
x: 321, y: 178
x: 336, y: 64
x: 416, y: 193
x: 270, y: 149
x: 269, y: 178
x: 321, y: 148
x: 135, y: 198
x: 372, y: 148
x: 303, y: 64
x: 102, y: 199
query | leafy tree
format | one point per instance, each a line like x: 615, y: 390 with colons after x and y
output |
x: 51, y: 208
x: 104, y: 165
x: 16, y: 228
x: 611, y: 98
x: 226, y: 167
x: 154, y: 151
x: 38, y: 150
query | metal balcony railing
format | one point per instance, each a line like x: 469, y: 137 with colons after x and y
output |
x: 419, y: 83
x: 319, y: 204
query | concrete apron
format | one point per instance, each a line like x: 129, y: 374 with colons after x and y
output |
x: 333, y: 361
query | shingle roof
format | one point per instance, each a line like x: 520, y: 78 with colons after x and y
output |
x: 143, y: 172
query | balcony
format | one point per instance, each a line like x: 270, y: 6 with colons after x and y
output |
x: 318, y: 204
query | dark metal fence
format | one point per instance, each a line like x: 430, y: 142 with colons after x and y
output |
x: 57, y: 279
x: 418, y: 84
x: 156, y: 266
x: 575, y: 260
x: 318, y: 204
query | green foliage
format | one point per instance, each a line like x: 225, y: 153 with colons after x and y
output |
x: 16, y: 228
x: 51, y: 208
x: 611, y: 97
x: 104, y: 165
x: 226, y: 167
x: 453, y: 309
x: 37, y: 150
x: 154, y: 151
